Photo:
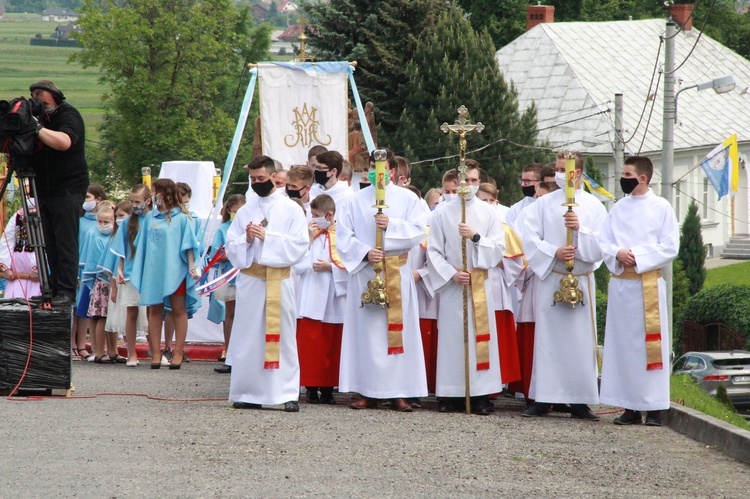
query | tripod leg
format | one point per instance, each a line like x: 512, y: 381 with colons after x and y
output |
x: 35, y: 232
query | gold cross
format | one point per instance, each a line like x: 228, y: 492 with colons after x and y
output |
x: 461, y: 128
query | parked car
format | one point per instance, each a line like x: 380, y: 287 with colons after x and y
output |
x: 711, y: 369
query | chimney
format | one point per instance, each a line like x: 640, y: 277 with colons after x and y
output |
x: 538, y: 14
x: 682, y: 14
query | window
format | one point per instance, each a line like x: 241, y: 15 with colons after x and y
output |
x: 678, y: 200
x: 704, y: 216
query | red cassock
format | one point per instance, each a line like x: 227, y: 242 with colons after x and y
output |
x: 525, y: 336
x: 510, y: 366
x: 319, y: 350
x: 428, y: 328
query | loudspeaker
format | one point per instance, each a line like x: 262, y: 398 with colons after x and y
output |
x: 50, y: 364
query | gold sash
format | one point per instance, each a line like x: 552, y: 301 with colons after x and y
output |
x: 330, y: 233
x: 394, y: 311
x: 273, y: 277
x: 481, y: 317
x: 650, y: 283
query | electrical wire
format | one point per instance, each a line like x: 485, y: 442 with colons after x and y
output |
x: 681, y: 28
x: 703, y: 27
x: 648, y: 93
x: 651, y: 112
x: 701, y: 203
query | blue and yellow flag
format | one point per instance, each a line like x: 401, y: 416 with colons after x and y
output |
x: 721, y: 166
x: 594, y: 188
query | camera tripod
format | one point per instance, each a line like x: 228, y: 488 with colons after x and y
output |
x: 33, y: 220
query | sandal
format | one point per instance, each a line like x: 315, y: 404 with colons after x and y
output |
x: 104, y: 359
x: 85, y: 355
x: 119, y: 359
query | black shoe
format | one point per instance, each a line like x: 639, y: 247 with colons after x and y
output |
x: 225, y: 369
x: 536, y: 409
x: 326, y: 396
x: 653, y: 418
x: 291, y: 406
x: 560, y: 408
x: 629, y: 417
x: 312, y: 395
x: 175, y: 367
x: 245, y: 405
x: 62, y: 300
x: 582, y: 411
x: 450, y: 404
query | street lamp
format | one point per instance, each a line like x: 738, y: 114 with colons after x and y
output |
x: 721, y: 85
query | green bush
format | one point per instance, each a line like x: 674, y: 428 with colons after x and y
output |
x: 51, y: 42
x: 680, y: 292
x: 601, y: 314
x: 725, y: 303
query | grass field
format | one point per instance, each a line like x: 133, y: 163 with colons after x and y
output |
x: 686, y: 392
x: 738, y: 274
x: 22, y: 64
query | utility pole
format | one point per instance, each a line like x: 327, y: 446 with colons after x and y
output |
x: 619, y: 145
x: 667, y: 151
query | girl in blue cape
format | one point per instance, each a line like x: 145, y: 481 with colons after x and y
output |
x: 164, y: 270
x: 128, y: 297
x: 97, y: 244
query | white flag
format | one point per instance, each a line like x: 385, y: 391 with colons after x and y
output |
x: 303, y: 105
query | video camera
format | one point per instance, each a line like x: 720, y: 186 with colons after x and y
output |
x: 18, y: 124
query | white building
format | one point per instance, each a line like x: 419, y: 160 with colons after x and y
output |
x: 572, y: 71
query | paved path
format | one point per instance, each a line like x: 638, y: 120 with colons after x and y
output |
x: 120, y: 446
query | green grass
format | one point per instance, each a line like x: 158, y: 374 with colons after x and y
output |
x: 22, y: 64
x: 687, y: 392
x: 737, y: 274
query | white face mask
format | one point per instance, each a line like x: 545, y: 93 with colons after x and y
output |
x: 89, y: 205
x: 321, y: 222
x: 447, y: 196
x: 119, y: 221
x: 560, y: 179
x: 472, y: 191
x: 105, y: 229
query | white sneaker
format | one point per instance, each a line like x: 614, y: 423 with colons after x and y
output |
x: 164, y: 360
x: 131, y: 363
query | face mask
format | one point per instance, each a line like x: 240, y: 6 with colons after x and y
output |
x: 321, y: 222
x: 560, y: 179
x: 371, y: 177
x: 105, y: 229
x: 231, y: 216
x: 89, y: 205
x: 187, y: 206
x: 139, y: 210
x: 363, y: 185
x: 448, y: 196
x: 628, y: 184
x: 263, y: 189
x: 528, y: 191
x: 119, y: 221
x: 472, y: 191
x: 432, y: 208
x: 292, y: 194
x: 156, y: 202
x: 321, y: 177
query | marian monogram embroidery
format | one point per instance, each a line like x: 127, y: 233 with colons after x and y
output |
x: 305, y: 125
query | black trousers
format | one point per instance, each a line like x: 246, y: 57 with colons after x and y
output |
x: 60, y: 213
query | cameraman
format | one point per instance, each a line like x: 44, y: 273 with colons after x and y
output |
x: 62, y: 177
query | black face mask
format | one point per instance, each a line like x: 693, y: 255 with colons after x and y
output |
x: 321, y: 177
x: 293, y: 194
x: 628, y: 184
x: 528, y: 190
x: 262, y: 189
x: 364, y: 185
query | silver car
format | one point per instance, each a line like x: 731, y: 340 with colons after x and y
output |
x: 711, y: 369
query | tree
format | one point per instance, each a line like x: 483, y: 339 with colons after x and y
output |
x: 504, y: 21
x: 692, y: 252
x: 454, y: 65
x: 381, y: 36
x: 176, y: 70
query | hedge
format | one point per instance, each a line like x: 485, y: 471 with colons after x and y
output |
x: 725, y: 303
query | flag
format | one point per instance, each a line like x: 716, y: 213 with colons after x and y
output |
x: 734, y: 169
x: 303, y: 105
x: 719, y: 165
x: 597, y: 190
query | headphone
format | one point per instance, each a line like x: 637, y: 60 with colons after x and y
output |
x: 57, y: 95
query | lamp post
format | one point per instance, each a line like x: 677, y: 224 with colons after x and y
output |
x: 720, y: 85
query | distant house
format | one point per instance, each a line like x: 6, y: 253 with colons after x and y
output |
x: 290, y: 34
x: 260, y: 11
x: 59, y: 15
x: 287, y: 6
x: 63, y: 31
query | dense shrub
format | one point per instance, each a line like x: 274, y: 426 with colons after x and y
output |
x: 725, y: 303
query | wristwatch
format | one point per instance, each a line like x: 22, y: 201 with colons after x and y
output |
x: 475, y: 238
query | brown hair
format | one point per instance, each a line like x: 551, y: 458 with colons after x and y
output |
x: 535, y: 168
x: 133, y: 224
x: 233, y: 201
x: 97, y: 191
x: 168, y: 189
x: 315, y: 150
x: 450, y: 176
x: 414, y: 190
x: 332, y: 159
x: 125, y: 206
x: 300, y: 172
x: 547, y: 170
x: 404, y: 167
x: 643, y: 166
x: 184, y: 190
x: 324, y: 203
x: 489, y: 189
x: 263, y: 162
